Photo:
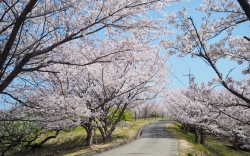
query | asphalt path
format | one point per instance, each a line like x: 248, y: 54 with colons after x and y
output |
x: 154, y: 141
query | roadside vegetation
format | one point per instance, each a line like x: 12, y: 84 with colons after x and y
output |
x: 72, y: 142
x: 212, y: 147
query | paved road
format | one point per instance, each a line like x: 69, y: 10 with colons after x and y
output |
x: 154, y: 141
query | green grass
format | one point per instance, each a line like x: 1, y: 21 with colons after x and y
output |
x: 74, y: 140
x: 212, y: 147
x: 190, y: 154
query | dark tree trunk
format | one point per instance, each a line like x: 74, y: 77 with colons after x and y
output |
x: 246, y: 7
x: 186, y: 127
x: 38, y: 145
x: 12, y: 144
x: 4, y: 151
x: 102, y: 133
x: 196, y: 134
x: 89, y: 137
x: 107, y: 137
x: 88, y: 127
x: 202, y: 136
x: 105, y: 131
x: 235, y: 142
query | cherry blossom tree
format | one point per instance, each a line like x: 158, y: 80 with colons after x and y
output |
x: 136, y: 85
x: 47, y: 44
x: 146, y: 109
x: 21, y: 129
x: 210, y: 112
x: 214, y: 40
x: 14, y: 133
x: 126, y: 82
x: 232, y: 117
x: 192, y: 114
x: 33, y: 32
x: 82, y: 95
x: 38, y: 35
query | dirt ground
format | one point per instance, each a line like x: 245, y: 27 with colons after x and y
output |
x: 184, y: 147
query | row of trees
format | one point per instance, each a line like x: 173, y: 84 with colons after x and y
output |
x: 83, y: 95
x: 76, y: 63
x: 68, y: 63
x: 205, y: 111
x: 151, y: 108
x: 206, y: 107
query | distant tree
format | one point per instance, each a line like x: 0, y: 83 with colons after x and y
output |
x: 127, y: 115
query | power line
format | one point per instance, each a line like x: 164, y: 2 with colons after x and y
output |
x: 184, y: 62
x: 179, y: 70
x: 189, y: 75
x: 178, y: 79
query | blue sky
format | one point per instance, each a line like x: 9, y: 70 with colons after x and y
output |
x: 201, y: 71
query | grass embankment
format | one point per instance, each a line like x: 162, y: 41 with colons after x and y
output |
x: 212, y: 147
x: 73, y: 142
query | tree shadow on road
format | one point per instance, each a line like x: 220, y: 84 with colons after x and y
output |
x: 156, y: 130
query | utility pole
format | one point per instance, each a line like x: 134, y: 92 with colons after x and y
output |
x: 189, y: 75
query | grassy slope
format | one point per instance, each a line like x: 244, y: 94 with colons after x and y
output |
x: 72, y: 143
x: 212, y: 147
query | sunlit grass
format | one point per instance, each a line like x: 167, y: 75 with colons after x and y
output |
x: 212, y: 147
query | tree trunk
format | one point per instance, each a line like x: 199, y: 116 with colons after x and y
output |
x: 196, y: 134
x: 202, y: 136
x: 186, y: 127
x: 102, y: 133
x: 106, y: 136
x: 12, y: 144
x: 246, y: 7
x: 235, y: 142
x: 88, y: 127
x: 4, y: 151
x: 109, y: 138
x: 105, y: 131
x: 89, y: 137
x: 38, y: 145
